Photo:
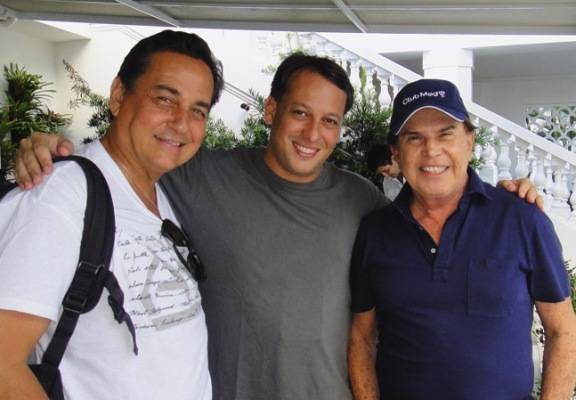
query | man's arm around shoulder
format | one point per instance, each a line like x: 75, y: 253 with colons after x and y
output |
x: 19, y: 333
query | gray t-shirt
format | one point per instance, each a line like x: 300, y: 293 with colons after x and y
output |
x: 277, y: 257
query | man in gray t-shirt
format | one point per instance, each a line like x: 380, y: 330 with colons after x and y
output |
x: 275, y: 229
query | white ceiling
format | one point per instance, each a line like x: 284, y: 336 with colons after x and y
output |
x: 515, y: 61
x: 373, y: 16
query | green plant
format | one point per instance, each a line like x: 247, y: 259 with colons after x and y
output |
x: 572, y: 277
x: 24, y: 112
x: 483, y: 138
x: 83, y: 95
x: 366, y: 124
x: 254, y: 131
x: 219, y: 136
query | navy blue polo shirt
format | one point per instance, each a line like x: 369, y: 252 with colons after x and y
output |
x: 454, y: 320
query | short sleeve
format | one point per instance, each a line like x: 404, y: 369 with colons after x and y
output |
x: 361, y: 291
x: 40, y: 233
x: 549, y: 278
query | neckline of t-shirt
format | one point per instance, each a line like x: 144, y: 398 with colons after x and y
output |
x: 124, y: 185
x: 322, y: 182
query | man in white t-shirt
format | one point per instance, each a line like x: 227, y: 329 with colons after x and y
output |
x: 160, y: 101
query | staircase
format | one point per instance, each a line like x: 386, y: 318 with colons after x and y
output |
x: 513, y: 151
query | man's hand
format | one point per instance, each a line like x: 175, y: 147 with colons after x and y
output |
x: 34, y: 158
x: 525, y: 189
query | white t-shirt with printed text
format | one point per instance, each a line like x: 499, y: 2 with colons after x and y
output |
x: 40, y: 232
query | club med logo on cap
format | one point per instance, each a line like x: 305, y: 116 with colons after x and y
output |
x: 438, y: 93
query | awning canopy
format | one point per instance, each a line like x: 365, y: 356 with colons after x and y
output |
x: 369, y: 16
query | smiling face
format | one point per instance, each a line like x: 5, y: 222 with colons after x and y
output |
x: 161, y: 122
x: 305, y: 126
x: 433, y: 151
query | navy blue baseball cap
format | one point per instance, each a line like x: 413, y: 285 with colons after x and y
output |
x: 426, y: 93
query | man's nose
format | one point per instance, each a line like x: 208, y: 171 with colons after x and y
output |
x: 179, y: 120
x: 311, y: 130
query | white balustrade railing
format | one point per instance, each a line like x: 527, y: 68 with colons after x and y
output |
x: 511, y: 152
x: 557, y: 123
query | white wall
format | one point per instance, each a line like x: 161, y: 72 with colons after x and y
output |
x: 98, y: 60
x: 34, y: 54
x: 510, y: 96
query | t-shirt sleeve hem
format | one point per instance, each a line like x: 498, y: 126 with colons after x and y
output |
x: 361, y: 308
x: 553, y: 298
x: 28, y: 307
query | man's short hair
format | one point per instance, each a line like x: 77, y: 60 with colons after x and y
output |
x: 188, y: 44
x: 297, y: 62
x: 378, y: 155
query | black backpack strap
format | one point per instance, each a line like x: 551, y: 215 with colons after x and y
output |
x: 92, y: 271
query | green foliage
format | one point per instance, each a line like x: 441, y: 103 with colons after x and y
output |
x: 24, y: 112
x: 83, y: 95
x: 367, y: 123
x: 572, y: 277
x: 254, y: 132
x: 483, y: 138
x: 219, y: 136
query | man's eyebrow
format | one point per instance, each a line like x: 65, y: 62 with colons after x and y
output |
x: 203, y: 104
x: 449, y: 127
x: 307, y: 107
x: 167, y: 88
x: 175, y: 92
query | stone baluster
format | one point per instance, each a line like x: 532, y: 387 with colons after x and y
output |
x: 317, y: 46
x: 306, y: 40
x: 396, y: 83
x: 531, y: 161
x: 354, y: 62
x: 367, y: 68
x: 489, y: 172
x: 566, y: 186
x: 503, y: 162
x: 572, y: 198
x: 548, y: 197
x: 384, y: 78
x: 521, y: 170
x: 560, y: 190
x: 539, y: 176
x: 334, y: 51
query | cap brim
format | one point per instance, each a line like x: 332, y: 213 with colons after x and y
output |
x: 456, y: 115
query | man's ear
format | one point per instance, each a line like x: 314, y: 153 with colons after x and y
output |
x: 117, y: 92
x: 471, y: 139
x: 270, y: 105
x: 394, y: 153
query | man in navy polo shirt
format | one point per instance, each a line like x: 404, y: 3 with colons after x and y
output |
x: 450, y: 272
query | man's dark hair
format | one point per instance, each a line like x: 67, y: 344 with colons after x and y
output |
x: 188, y: 44
x: 378, y: 155
x: 297, y: 62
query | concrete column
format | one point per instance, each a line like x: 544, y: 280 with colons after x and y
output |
x: 453, y: 64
